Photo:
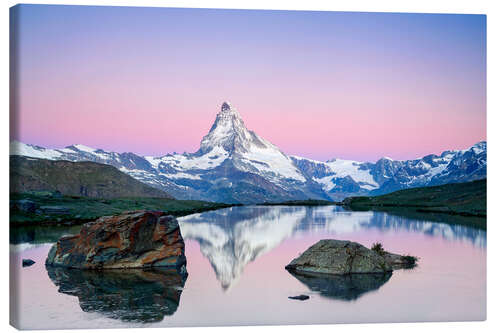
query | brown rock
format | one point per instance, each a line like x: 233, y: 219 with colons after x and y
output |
x: 137, y: 239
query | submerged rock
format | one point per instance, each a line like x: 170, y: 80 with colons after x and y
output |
x: 330, y: 256
x: 129, y: 295
x: 139, y: 239
x: 28, y: 262
x: 299, y: 298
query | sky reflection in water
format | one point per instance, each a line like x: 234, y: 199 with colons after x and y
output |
x: 236, y: 260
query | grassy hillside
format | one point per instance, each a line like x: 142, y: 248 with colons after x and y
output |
x: 39, y: 209
x: 465, y: 199
x: 87, y: 179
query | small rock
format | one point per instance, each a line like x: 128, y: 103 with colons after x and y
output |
x: 300, y: 297
x: 28, y: 262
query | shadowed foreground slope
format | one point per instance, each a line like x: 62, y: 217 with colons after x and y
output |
x: 87, y: 179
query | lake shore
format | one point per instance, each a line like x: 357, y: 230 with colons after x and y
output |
x: 46, y: 210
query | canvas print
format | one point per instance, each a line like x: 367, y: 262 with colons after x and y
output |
x: 210, y: 167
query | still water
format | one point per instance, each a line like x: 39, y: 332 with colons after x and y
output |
x: 236, y: 259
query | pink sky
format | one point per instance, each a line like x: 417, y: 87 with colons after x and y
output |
x: 319, y: 85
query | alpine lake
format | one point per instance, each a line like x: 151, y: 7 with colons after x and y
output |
x: 236, y: 260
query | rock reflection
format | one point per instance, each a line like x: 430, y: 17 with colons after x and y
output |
x: 132, y: 295
x: 342, y: 287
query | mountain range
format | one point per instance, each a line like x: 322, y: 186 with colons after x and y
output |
x: 235, y: 165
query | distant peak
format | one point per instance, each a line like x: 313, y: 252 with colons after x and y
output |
x: 226, y: 106
x: 228, y: 131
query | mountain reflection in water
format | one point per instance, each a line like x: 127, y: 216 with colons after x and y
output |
x: 231, y: 238
x: 132, y: 295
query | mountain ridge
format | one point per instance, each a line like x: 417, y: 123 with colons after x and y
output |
x: 86, y: 179
x: 236, y: 165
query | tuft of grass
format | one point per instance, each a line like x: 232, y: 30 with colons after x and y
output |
x: 377, y: 247
x: 410, y: 260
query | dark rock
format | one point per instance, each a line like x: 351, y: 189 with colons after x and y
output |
x: 300, y: 297
x: 25, y: 205
x: 342, y: 287
x: 330, y: 256
x: 28, y: 262
x: 130, y: 295
x: 131, y: 240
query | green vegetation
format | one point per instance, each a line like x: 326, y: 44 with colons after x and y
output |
x: 411, y: 260
x: 460, y: 199
x: 43, y: 209
x: 377, y: 247
x: 309, y: 202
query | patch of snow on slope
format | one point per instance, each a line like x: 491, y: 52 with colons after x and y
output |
x: 306, y: 159
x: 186, y: 162
x: 275, y: 162
x: 368, y: 187
x: 182, y: 175
x: 85, y: 148
x: 136, y: 173
x: 344, y: 168
x: 326, y: 182
x: 191, y: 162
x: 18, y: 148
x: 437, y: 170
x: 154, y: 161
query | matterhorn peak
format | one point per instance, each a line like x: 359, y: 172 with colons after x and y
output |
x: 227, y: 128
x: 229, y: 110
x: 226, y: 106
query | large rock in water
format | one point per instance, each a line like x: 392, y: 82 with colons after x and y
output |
x: 330, y: 256
x: 140, y: 239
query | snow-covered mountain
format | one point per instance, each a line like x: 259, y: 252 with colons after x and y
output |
x: 234, y: 164
x: 341, y: 178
